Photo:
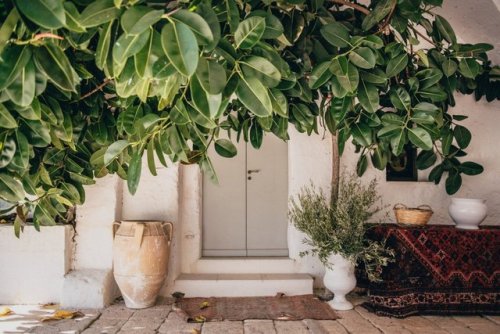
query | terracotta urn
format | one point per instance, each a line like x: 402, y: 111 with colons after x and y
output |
x: 340, y: 280
x: 467, y: 213
x: 140, y: 260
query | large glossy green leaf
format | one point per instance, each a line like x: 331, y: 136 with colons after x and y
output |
x: 400, y: 99
x: 114, y: 150
x: 363, y: 57
x: 368, y: 96
x: 73, y: 17
x: 197, y: 25
x: 11, y: 190
x: 429, y: 77
x: 6, y: 119
x: 102, y: 50
x: 208, y: 14
x: 249, y: 32
x: 51, y: 59
x: 396, y: 65
x: 279, y: 102
x: 375, y: 76
x: 20, y: 161
x: 232, y: 14
x: 46, y: 13
x: 433, y: 93
x: 138, y: 19
x: 22, y: 90
x: 420, y: 138
x: 212, y: 76
x: 453, y: 182
x: 449, y: 67
x: 320, y: 75
x: 180, y: 46
x: 12, y: 60
x: 225, y: 148
x: 98, y: 12
x: 274, y: 27
x: 471, y: 168
x: 381, y: 10
x: 426, y: 159
x: 37, y: 132
x: 7, y: 27
x: 261, y: 69
x: 336, y: 34
x: 206, y: 103
x: 362, y: 134
x: 346, y: 73
x: 445, y: 29
x: 7, y: 151
x: 134, y: 172
x: 462, y: 136
x: 398, y: 141
x: 254, y: 96
x: 143, y: 59
x: 128, y: 45
x: 199, y: 116
x: 469, y: 68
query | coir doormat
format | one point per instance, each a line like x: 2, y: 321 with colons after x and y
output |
x: 243, y: 308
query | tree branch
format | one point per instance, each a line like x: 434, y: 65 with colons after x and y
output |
x: 95, y: 90
x: 355, y: 6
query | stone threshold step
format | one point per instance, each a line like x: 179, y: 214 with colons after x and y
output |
x: 243, y: 285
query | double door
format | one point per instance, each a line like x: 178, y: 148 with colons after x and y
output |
x: 245, y: 214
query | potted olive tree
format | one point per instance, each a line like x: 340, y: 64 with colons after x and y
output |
x: 336, y: 231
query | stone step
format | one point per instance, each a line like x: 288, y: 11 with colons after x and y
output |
x: 243, y: 285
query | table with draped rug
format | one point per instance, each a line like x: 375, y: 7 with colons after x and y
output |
x: 438, y: 269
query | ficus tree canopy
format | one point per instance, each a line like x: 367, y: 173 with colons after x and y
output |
x: 89, y: 87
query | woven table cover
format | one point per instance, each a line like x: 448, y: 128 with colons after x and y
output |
x: 438, y: 269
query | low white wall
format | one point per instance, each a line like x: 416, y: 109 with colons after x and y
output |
x: 32, y: 268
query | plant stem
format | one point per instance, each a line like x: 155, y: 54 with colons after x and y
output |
x: 355, y: 6
x: 95, y: 90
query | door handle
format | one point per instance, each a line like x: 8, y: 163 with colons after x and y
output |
x: 251, y: 171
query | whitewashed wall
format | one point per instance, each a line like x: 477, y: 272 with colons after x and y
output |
x: 174, y: 194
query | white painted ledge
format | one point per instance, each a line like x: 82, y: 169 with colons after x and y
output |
x: 243, y: 285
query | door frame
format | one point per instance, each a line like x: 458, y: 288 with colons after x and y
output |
x: 191, y: 218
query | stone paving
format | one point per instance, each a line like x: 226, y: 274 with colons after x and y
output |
x: 165, y: 319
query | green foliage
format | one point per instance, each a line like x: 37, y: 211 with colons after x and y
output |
x: 340, y: 227
x: 89, y: 87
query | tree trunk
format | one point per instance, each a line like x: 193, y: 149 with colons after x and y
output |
x: 334, y: 194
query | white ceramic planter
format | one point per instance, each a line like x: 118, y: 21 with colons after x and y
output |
x: 340, y: 280
x: 467, y: 213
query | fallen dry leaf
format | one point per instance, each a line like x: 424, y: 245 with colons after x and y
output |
x: 195, y: 331
x: 200, y: 319
x: 5, y: 311
x: 204, y: 305
x: 62, y: 314
x: 51, y: 306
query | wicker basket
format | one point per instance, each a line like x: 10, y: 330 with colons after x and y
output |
x: 412, y: 216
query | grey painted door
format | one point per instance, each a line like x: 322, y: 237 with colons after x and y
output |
x: 246, y: 213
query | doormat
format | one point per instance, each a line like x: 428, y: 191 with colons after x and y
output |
x: 243, y: 308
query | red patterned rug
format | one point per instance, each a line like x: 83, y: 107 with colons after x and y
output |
x: 243, y: 308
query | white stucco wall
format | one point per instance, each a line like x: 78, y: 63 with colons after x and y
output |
x: 174, y: 194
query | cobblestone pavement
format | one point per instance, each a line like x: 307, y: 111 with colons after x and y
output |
x: 162, y: 319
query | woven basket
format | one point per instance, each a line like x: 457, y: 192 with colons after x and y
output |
x: 412, y: 216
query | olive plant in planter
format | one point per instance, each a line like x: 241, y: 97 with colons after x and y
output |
x: 335, y: 230
x: 87, y: 87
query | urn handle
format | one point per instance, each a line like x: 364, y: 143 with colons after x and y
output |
x: 168, y: 227
x: 116, y: 226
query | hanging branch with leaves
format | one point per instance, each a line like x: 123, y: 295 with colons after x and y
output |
x: 89, y: 87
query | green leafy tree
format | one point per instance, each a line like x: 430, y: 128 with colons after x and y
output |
x: 87, y: 87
